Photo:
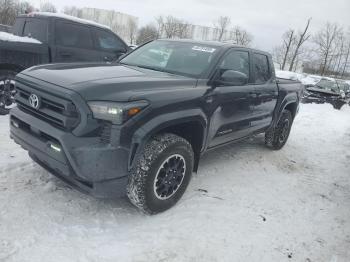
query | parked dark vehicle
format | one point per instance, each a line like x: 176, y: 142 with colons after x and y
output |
x: 336, y: 93
x: 5, y: 28
x: 139, y: 127
x: 56, y: 38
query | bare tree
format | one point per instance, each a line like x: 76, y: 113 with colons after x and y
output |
x: 240, y: 36
x: 300, y: 40
x: 325, y: 41
x: 160, y: 26
x: 146, y: 33
x: 288, y: 40
x: 346, y: 60
x: 172, y: 27
x: 48, y: 7
x: 9, y: 9
x: 131, y: 28
x: 183, y: 30
x: 221, y: 26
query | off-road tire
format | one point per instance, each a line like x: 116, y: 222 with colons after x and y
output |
x: 140, y: 189
x: 273, y: 136
x: 338, y: 105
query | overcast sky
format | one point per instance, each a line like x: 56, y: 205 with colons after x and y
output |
x: 266, y: 20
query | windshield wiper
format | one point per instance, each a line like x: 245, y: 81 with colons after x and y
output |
x: 150, y: 68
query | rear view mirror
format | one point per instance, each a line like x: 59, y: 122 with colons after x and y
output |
x: 233, y: 78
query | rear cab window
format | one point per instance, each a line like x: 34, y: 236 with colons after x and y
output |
x: 36, y: 28
x: 73, y: 35
x: 107, y: 41
x: 17, y: 28
x: 261, y: 67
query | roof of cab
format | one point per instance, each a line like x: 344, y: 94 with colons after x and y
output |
x: 214, y: 44
x: 66, y: 17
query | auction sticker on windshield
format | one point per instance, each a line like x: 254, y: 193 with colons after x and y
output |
x: 204, y: 49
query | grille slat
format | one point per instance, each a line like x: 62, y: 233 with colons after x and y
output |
x: 105, y: 133
x: 57, y: 111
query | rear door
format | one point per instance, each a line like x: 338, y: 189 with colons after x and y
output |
x: 110, y: 46
x: 74, y: 43
x: 266, y: 91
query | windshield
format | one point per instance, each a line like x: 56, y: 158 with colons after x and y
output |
x: 343, y: 86
x: 328, y: 85
x: 180, y: 58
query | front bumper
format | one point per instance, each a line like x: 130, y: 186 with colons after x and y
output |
x: 307, y: 99
x: 87, y: 163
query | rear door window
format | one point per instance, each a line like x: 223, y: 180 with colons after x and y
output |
x: 108, y: 41
x: 261, y: 68
x: 73, y: 35
x: 37, y: 29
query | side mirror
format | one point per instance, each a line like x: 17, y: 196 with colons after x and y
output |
x: 232, y: 78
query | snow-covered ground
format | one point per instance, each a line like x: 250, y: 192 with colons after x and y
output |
x: 246, y: 203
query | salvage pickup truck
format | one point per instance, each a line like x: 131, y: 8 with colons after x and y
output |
x: 42, y: 38
x: 139, y: 127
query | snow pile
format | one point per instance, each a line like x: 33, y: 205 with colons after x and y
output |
x: 14, y: 38
x: 305, y: 79
x: 71, y: 18
x: 247, y: 203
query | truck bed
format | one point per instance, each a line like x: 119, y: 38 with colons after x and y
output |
x: 23, y: 54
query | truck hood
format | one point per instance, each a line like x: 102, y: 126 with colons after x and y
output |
x: 107, y: 82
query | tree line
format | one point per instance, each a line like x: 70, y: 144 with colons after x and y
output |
x: 173, y: 27
x: 325, y: 52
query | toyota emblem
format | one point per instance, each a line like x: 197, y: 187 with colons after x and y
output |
x: 34, y: 101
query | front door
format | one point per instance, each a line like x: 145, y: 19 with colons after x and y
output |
x: 232, y: 105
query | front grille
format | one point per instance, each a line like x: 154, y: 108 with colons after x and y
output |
x: 105, y: 133
x: 54, y: 110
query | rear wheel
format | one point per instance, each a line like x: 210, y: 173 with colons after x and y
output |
x: 338, y: 104
x: 161, y: 174
x: 277, y: 137
x: 7, y: 91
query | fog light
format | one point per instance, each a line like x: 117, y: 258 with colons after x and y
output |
x: 55, y: 147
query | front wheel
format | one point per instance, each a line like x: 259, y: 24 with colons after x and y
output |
x: 161, y: 174
x: 7, y: 91
x: 277, y: 137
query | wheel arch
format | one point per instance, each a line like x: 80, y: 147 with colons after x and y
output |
x: 191, y: 125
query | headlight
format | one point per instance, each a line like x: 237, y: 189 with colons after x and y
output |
x: 117, y: 113
x: 342, y: 94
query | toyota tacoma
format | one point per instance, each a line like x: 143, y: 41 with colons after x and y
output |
x: 138, y: 127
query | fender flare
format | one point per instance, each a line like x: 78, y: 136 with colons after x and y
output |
x: 150, y: 128
x: 289, y: 99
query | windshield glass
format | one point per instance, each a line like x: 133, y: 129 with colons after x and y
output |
x: 180, y: 58
x: 328, y: 85
x: 343, y: 86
